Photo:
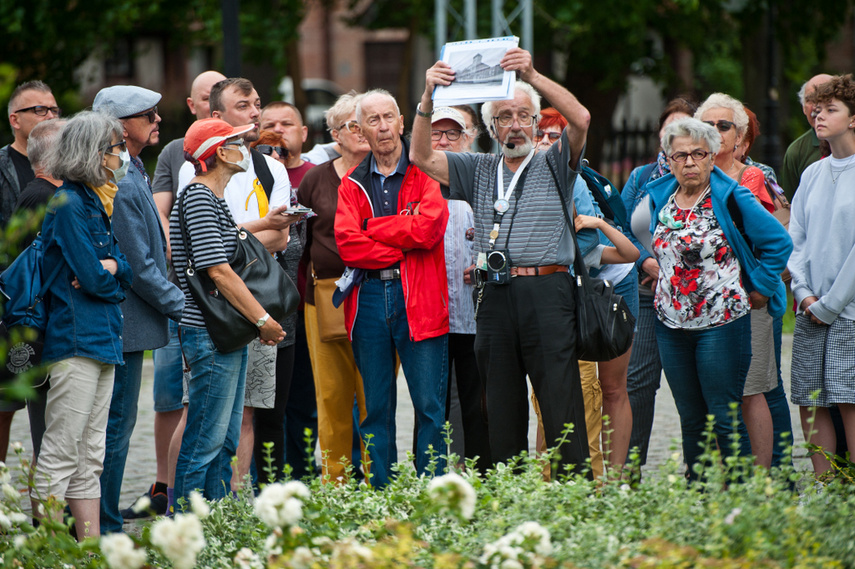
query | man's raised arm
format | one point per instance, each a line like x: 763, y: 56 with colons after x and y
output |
x: 564, y: 101
x: 431, y: 162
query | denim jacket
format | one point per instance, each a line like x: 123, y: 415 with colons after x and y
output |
x: 84, y: 322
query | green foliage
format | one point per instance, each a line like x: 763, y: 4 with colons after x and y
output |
x: 519, y: 521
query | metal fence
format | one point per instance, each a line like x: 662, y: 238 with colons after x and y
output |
x: 629, y: 146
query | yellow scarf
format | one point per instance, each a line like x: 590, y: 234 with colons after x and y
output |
x: 106, y: 194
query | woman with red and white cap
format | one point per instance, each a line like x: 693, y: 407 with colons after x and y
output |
x: 216, y: 383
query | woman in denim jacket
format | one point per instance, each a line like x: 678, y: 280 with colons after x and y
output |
x: 83, y: 339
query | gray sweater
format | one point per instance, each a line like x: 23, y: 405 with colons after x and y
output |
x: 821, y: 224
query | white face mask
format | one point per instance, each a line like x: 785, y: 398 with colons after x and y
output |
x: 122, y: 170
x: 244, y: 162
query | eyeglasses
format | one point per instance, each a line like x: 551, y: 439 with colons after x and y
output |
x: 268, y: 150
x: 149, y: 114
x: 553, y: 136
x: 523, y: 119
x: 697, y: 156
x: 121, y: 144
x: 451, y: 134
x: 351, y: 126
x: 42, y: 110
x: 722, y: 125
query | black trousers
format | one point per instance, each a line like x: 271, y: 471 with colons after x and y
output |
x: 462, y: 363
x: 528, y: 327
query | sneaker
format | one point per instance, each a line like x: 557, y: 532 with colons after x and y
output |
x: 157, y: 506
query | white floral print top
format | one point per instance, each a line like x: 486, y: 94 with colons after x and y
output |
x: 700, y: 284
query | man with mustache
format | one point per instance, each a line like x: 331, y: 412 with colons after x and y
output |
x: 526, y: 322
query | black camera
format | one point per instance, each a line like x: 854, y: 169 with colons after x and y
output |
x: 498, y: 267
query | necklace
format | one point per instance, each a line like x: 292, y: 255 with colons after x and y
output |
x: 849, y: 163
x: 667, y: 218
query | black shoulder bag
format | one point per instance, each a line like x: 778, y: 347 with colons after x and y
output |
x: 266, y: 280
x: 604, y: 325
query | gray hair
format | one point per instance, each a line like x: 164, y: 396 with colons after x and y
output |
x: 80, y: 150
x: 42, y: 138
x: 487, y: 108
x: 371, y: 93
x: 36, y: 85
x: 693, y: 128
x: 802, y: 92
x: 341, y: 109
x: 722, y: 101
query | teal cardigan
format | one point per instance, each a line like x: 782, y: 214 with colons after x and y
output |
x: 761, y: 266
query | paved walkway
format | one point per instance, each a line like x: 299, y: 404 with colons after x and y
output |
x: 140, y: 470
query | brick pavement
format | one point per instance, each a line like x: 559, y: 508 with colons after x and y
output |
x: 141, y: 465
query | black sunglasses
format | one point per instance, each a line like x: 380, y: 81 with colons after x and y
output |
x: 41, y: 110
x: 149, y: 114
x: 268, y: 150
x: 552, y: 135
x: 721, y: 125
x: 122, y: 144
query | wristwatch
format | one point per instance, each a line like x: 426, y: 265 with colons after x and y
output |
x: 263, y: 320
x: 421, y: 113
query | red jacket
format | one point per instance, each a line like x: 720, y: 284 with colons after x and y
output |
x: 382, y: 243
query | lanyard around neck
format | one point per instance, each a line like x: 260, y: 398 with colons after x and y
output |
x: 502, y: 204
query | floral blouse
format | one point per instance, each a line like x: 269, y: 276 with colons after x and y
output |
x: 700, y: 285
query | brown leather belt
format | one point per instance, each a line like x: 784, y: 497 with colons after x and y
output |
x: 538, y: 271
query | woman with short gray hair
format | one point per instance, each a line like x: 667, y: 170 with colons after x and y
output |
x: 728, y: 116
x: 709, y: 279
x: 83, y: 338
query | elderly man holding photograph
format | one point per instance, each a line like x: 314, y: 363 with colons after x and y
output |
x: 515, y: 197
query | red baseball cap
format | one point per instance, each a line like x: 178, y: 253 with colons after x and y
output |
x: 206, y: 135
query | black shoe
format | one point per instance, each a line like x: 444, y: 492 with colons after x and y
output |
x: 157, y: 506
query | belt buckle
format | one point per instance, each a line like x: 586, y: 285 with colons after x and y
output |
x: 390, y: 274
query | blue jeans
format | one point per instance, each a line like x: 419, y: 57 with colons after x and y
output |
x: 643, y: 376
x: 776, y: 399
x: 214, y: 415
x: 706, y: 370
x: 380, y: 329
x: 168, y: 374
x: 120, y: 427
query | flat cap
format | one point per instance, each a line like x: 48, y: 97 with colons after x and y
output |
x: 122, y: 101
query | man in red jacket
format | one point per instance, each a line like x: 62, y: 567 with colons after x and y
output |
x: 390, y: 222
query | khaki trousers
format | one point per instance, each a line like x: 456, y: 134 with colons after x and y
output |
x: 337, y: 383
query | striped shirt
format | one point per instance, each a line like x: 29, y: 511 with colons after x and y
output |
x: 213, y: 239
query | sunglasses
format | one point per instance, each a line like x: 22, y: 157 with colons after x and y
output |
x: 150, y: 114
x: 553, y: 136
x: 268, y: 150
x: 41, y: 110
x: 721, y: 125
x: 351, y: 126
x: 122, y: 145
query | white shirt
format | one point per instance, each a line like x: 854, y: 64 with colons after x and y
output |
x: 244, y: 189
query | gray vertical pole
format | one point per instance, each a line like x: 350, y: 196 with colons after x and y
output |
x: 496, y: 19
x: 527, y: 27
x: 471, y: 20
x: 231, y: 37
x: 441, y: 16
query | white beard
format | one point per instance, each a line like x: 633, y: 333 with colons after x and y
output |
x: 520, y: 150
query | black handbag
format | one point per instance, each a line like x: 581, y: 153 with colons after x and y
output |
x: 604, y: 325
x: 266, y: 280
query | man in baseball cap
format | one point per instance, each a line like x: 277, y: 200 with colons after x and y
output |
x: 152, y: 300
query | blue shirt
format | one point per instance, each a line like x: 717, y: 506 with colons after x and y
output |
x: 384, y: 189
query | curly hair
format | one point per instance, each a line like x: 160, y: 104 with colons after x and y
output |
x: 840, y: 87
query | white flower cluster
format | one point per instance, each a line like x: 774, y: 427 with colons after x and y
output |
x: 526, y: 546
x: 281, y: 505
x: 121, y: 553
x: 453, y: 494
x: 180, y: 539
x: 247, y: 559
x: 199, y: 505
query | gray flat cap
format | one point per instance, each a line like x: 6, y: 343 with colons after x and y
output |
x: 124, y: 100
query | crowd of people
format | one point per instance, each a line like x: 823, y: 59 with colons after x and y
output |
x: 417, y: 253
